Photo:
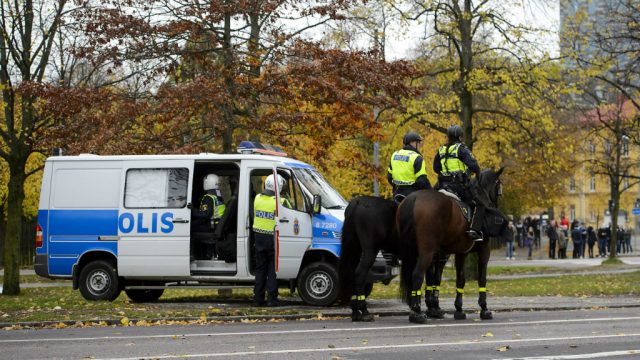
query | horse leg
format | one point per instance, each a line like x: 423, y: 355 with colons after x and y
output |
x: 483, y: 260
x: 359, y: 310
x: 416, y: 315
x: 460, y: 282
x: 434, y: 279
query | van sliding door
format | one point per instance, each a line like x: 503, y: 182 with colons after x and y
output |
x: 154, y: 220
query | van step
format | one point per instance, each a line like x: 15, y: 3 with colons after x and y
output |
x: 189, y: 286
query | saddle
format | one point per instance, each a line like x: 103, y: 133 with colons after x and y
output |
x: 464, y: 207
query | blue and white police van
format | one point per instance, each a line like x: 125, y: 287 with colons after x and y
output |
x: 113, y: 223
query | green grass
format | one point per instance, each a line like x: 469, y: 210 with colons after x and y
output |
x: 64, y: 303
x: 566, y: 285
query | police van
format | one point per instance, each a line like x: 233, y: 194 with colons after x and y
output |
x: 113, y: 223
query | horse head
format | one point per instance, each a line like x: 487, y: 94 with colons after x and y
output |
x: 490, y: 185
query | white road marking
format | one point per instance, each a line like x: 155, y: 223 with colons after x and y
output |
x: 386, y: 347
x: 311, y: 331
x: 579, y: 356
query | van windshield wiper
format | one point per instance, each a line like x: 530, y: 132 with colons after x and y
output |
x: 335, y: 207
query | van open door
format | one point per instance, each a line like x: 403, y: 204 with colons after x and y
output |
x: 293, y: 226
x: 153, y: 219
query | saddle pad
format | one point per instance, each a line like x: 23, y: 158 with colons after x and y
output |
x: 466, y: 209
x: 449, y: 194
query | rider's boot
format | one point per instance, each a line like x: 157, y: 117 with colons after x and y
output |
x: 475, y: 235
x: 476, y: 223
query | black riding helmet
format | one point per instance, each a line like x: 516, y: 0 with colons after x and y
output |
x: 410, y: 137
x: 454, y: 132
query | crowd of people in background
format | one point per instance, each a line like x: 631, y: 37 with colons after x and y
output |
x: 586, y: 241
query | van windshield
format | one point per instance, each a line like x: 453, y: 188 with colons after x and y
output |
x: 317, y: 185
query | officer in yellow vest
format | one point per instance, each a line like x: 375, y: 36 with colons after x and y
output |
x: 264, y: 212
x: 211, y: 209
x: 453, y: 163
x: 407, y: 172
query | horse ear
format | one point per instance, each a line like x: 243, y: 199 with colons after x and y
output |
x: 499, y: 172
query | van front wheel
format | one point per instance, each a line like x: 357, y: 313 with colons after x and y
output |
x: 318, y: 284
x: 99, y: 281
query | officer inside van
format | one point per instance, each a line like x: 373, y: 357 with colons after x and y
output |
x: 211, y: 209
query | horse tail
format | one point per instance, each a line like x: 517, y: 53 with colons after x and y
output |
x: 350, y: 251
x: 408, y: 247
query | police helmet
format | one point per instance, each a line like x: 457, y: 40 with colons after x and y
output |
x: 410, y: 137
x: 269, y: 183
x: 454, y: 132
x: 211, y: 182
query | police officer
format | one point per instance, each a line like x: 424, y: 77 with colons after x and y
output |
x: 211, y: 209
x: 264, y: 211
x: 453, y: 163
x: 407, y: 172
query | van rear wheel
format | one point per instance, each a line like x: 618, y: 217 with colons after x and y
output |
x: 99, y: 281
x: 318, y: 284
x: 144, y: 295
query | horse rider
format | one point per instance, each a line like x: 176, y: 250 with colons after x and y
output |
x: 452, y: 163
x: 407, y: 172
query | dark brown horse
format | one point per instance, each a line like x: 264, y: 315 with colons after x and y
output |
x: 430, y: 222
x: 369, y: 226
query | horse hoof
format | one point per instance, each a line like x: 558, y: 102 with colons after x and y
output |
x: 367, y: 318
x: 435, y: 313
x: 417, y: 318
x: 459, y: 315
x: 486, y: 315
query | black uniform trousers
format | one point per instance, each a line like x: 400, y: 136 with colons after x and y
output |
x: 265, y: 268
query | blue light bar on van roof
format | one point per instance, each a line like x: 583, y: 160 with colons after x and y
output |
x: 252, y: 147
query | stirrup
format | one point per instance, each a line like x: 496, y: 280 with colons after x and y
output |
x: 398, y: 198
x: 475, y: 235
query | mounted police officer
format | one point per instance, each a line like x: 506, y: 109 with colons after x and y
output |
x: 211, y: 209
x: 453, y: 163
x: 407, y: 172
x: 264, y: 211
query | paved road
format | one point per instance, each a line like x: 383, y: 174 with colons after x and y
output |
x: 612, y: 333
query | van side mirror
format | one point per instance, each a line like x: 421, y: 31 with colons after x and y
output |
x: 317, y: 204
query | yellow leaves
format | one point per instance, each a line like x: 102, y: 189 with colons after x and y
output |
x: 488, y: 334
x: 124, y: 321
x: 503, y: 348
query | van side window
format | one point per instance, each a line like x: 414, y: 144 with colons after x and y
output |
x: 156, y: 188
x: 292, y: 190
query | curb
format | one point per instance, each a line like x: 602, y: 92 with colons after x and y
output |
x: 293, y: 317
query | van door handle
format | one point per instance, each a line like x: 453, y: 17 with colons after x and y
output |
x: 284, y: 220
x: 180, y: 221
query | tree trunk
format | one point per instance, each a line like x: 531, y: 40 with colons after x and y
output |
x: 12, y: 238
x: 228, y: 71
x: 466, y: 104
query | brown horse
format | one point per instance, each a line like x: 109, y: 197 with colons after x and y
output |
x: 431, y: 222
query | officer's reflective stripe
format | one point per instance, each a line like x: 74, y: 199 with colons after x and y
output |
x: 401, y: 167
x: 416, y: 293
x: 361, y: 297
x: 218, y: 207
x: 436, y: 288
x: 264, y: 214
x: 449, y: 161
x: 460, y: 291
x: 482, y: 289
x: 429, y: 288
x: 354, y: 297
